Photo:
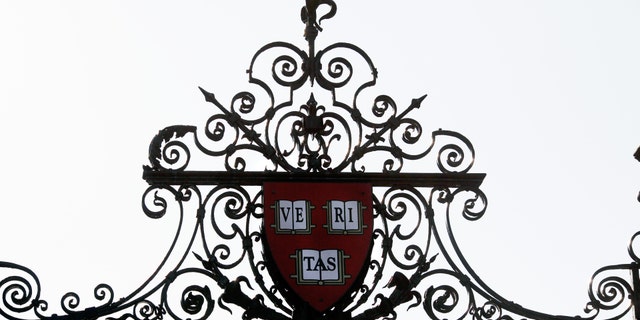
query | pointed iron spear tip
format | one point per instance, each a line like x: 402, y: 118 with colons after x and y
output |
x: 208, y: 96
x: 415, y: 103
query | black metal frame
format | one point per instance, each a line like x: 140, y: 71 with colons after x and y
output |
x: 220, y: 212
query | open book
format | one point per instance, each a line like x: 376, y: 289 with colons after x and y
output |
x: 320, y: 267
x: 344, y: 217
x: 293, y: 216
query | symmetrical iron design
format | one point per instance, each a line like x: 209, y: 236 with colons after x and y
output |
x: 301, y: 128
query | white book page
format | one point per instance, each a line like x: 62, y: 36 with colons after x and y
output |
x: 299, y: 214
x: 337, y: 215
x: 285, y: 214
x: 351, y: 216
x: 309, y: 260
x: 331, y: 264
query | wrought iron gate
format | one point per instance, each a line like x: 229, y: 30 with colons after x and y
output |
x: 312, y: 123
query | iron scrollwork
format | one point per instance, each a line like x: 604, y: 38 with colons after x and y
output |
x: 301, y: 128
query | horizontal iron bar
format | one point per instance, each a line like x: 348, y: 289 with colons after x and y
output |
x: 463, y: 180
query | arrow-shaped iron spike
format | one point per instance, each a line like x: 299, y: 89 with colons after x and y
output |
x: 210, y: 97
x: 415, y: 104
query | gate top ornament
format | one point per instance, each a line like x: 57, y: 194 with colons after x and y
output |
x: 329, y: 216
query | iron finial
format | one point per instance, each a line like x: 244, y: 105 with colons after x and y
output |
x: 309, y: 16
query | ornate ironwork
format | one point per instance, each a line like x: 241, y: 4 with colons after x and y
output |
x: 302, y: 128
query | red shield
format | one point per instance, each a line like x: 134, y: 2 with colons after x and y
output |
x: 318, y: 237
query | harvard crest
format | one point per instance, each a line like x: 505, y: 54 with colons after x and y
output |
x: 318, y: 265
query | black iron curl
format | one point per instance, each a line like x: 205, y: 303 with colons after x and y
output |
x: 215, y: 130
x: 146, y: 310
x: 631, y: 247
x: 611, y: 293
x: 451, y: 157
x: 441, y: 299
x: 159, y: 203
x: 381, y: 105
x: 284, y: 69
x: 336, y: 71
x: 164, y: 149
x: 412, y: 131
x: 17, y: 294
x: 246, y: 100
x: 475, y: 202
x: 489, y: 311
x: 194, y: 298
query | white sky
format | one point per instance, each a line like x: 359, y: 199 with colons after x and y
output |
x: 547, y: 92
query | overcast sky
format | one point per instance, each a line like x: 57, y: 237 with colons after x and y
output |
x: 547, y: 92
